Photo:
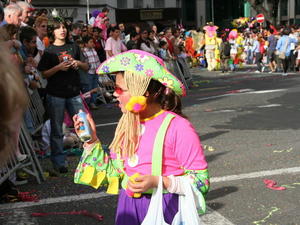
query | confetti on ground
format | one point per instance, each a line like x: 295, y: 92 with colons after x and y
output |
x: 264, y: 220
x: 271, y: 184
x: 208, y: 148
x: 293, y: 185
x: 285, y: 150
x: 208, y: 110
x: 28, y: 196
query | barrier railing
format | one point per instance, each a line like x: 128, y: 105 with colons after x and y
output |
x: 31, y: 165
x: 105, y: 82
x: 36, y: 109
x: 180, y: 69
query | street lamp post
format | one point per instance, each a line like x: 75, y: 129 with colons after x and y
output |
x: 88, y: 10
x: 212, y: 11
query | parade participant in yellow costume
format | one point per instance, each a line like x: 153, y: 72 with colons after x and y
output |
x: 240, y: 50
x: 217, y: 53
x: 210, y: 45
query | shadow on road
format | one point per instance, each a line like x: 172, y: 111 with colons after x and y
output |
x: 286, y: 116
x: 212, y: 157
x: 220, y: 192
x: 212, y: 135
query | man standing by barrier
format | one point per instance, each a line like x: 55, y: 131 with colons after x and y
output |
x: 59, y: 65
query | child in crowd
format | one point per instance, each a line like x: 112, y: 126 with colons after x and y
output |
x: 153, y: 138
x: 93, y: 60
x: 59, y: 65
x: 163, y: 51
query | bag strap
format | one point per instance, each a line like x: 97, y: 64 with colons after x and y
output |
x: 158, y: 146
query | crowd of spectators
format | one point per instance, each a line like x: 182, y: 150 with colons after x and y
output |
x: 44, y: 46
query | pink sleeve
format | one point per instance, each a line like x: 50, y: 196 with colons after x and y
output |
x: 123, y: 47
x: 108, y: 45
x: 187, y: 147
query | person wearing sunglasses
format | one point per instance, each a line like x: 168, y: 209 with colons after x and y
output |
x: 153, y: 139
x: 41, y: 25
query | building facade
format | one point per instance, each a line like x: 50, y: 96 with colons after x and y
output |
x: 191, y: 13
x: 289, y: 12
x: 125, y: 11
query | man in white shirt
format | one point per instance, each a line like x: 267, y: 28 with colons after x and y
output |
x: 25, y: 12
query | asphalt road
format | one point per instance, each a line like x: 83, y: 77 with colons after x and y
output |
x: 249, y: 125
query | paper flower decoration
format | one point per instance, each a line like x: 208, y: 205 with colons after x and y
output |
x: 167, y: 82
x: 136, y: 104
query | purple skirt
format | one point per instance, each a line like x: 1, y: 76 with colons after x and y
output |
x: 132, y: 211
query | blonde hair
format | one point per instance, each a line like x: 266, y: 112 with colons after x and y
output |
x: 127, y: 134
x: 40, y: 20
x: 13, y: 100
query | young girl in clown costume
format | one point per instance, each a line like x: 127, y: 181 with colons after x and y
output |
x: 152, y: 139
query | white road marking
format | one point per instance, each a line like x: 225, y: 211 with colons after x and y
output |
x: 224, y: 111
x: 241, y: 92
x: 256, y: 174
x: 211, y: 218
x: 269, y: 106
x: 45, y: 201
x: 106, y: 124
x: 266, y: 91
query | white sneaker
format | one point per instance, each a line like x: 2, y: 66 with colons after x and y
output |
x: 257, y: 71
x: 21, y: 157
x: 284, y: 74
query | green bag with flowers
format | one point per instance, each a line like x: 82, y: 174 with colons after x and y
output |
x: 97, y: 168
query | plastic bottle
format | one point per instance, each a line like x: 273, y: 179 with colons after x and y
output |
x: 84, y: 132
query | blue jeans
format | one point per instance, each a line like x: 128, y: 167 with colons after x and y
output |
x: 56, y: 109
x: 93, y: 83
x: 84, y: 81
x: 249, y: 57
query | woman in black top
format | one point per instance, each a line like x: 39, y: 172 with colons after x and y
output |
x: 59, y: 65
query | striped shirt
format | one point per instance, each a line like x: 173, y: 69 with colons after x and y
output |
x: 92, y: 59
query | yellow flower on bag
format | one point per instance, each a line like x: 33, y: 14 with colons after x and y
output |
x: 136, y: 104
x: 167, y: 82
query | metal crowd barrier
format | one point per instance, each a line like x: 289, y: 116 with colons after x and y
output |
x: 181, y: 70
x: 26, y: 144
x: 106, y: 82
x: 36, y: 109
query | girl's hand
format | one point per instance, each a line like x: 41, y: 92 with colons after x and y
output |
x: 74, y: 64
x: 144, y: 183
x: 92, y: 126
x: 64, y: 65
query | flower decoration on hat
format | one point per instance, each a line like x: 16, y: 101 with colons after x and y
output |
x: 149, y: 72
x: 167, y: 82
x: 125, y: 61
x: 141, y: 58
x: 105, y: 69
x: 142, y: 63
x: 139, y: 67
x: 136, y: 104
